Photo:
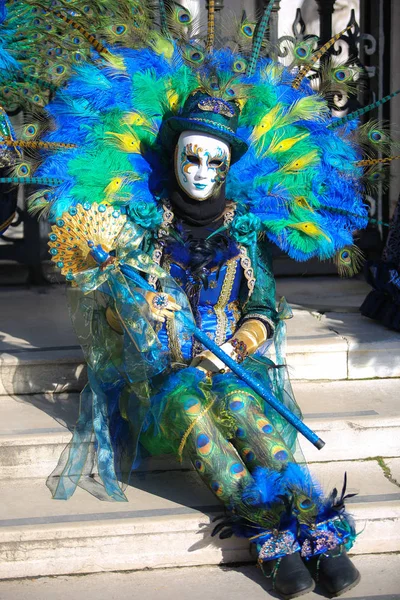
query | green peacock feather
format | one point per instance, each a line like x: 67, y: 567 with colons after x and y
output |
x: 258, y: 38
x: 362, y: 111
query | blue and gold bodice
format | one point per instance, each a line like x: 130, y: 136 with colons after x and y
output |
x: 216, y: 306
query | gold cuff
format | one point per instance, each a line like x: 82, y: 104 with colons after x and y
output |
x: 253, y: 333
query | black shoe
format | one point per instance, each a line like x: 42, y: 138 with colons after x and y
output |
x: 290, y: 578
x: 334, y: 571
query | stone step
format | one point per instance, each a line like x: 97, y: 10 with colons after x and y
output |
x: 357, y: 420
x: 380, y: 580
x: 39, y: 351
x: 166, y: 523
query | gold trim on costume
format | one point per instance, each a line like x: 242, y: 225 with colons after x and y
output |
x: 168, y: 217
x: 245, y: 261
x: 222, y: 317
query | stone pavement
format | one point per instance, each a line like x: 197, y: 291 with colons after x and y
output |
x: 380, y: 581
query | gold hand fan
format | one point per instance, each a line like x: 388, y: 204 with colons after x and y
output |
x: 70, y: 235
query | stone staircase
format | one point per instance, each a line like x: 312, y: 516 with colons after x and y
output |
x: 345, y: 372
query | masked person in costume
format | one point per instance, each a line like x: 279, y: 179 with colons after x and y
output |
x: 164, y: 157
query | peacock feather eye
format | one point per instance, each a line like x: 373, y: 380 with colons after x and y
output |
x: 375, y: 135
x: 197, y: 56
x: 301, y: 52
x: 230, y: 92
x: 239, y: 66
x: 119, y: 29
x: 183, y: 16
x: 248, y: 30
x: 60, y: 69
x: 340, y: 75
x: 30, y: 130
x: 343, y: 75
x: 23, y: 170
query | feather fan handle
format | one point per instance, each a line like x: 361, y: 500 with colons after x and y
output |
x: 163, y: 18
x: 257, y: 43
x: 36, y: 144
x: 210, y: 26
x: 31, y: 180
x: 361, y: 111
x: 376, y: 161
x: 316, y: 56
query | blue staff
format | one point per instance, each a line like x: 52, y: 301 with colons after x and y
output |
x: 102, y: 257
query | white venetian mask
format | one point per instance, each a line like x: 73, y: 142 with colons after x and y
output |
x: 201, y: 163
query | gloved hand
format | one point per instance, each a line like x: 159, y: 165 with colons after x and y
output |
x: 162, y: 306
x: 252, y: 334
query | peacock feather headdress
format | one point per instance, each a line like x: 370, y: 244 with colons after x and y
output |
x: 105, y: 84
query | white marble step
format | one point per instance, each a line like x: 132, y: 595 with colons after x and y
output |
x: 380, y: 580
x: 39, y: 351
x: 357, y: 420
x: 166, y: 523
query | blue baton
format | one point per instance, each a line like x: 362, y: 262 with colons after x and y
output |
x: 101, y: 256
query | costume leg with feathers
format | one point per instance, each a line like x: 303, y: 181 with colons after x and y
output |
x: 222, y: 429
